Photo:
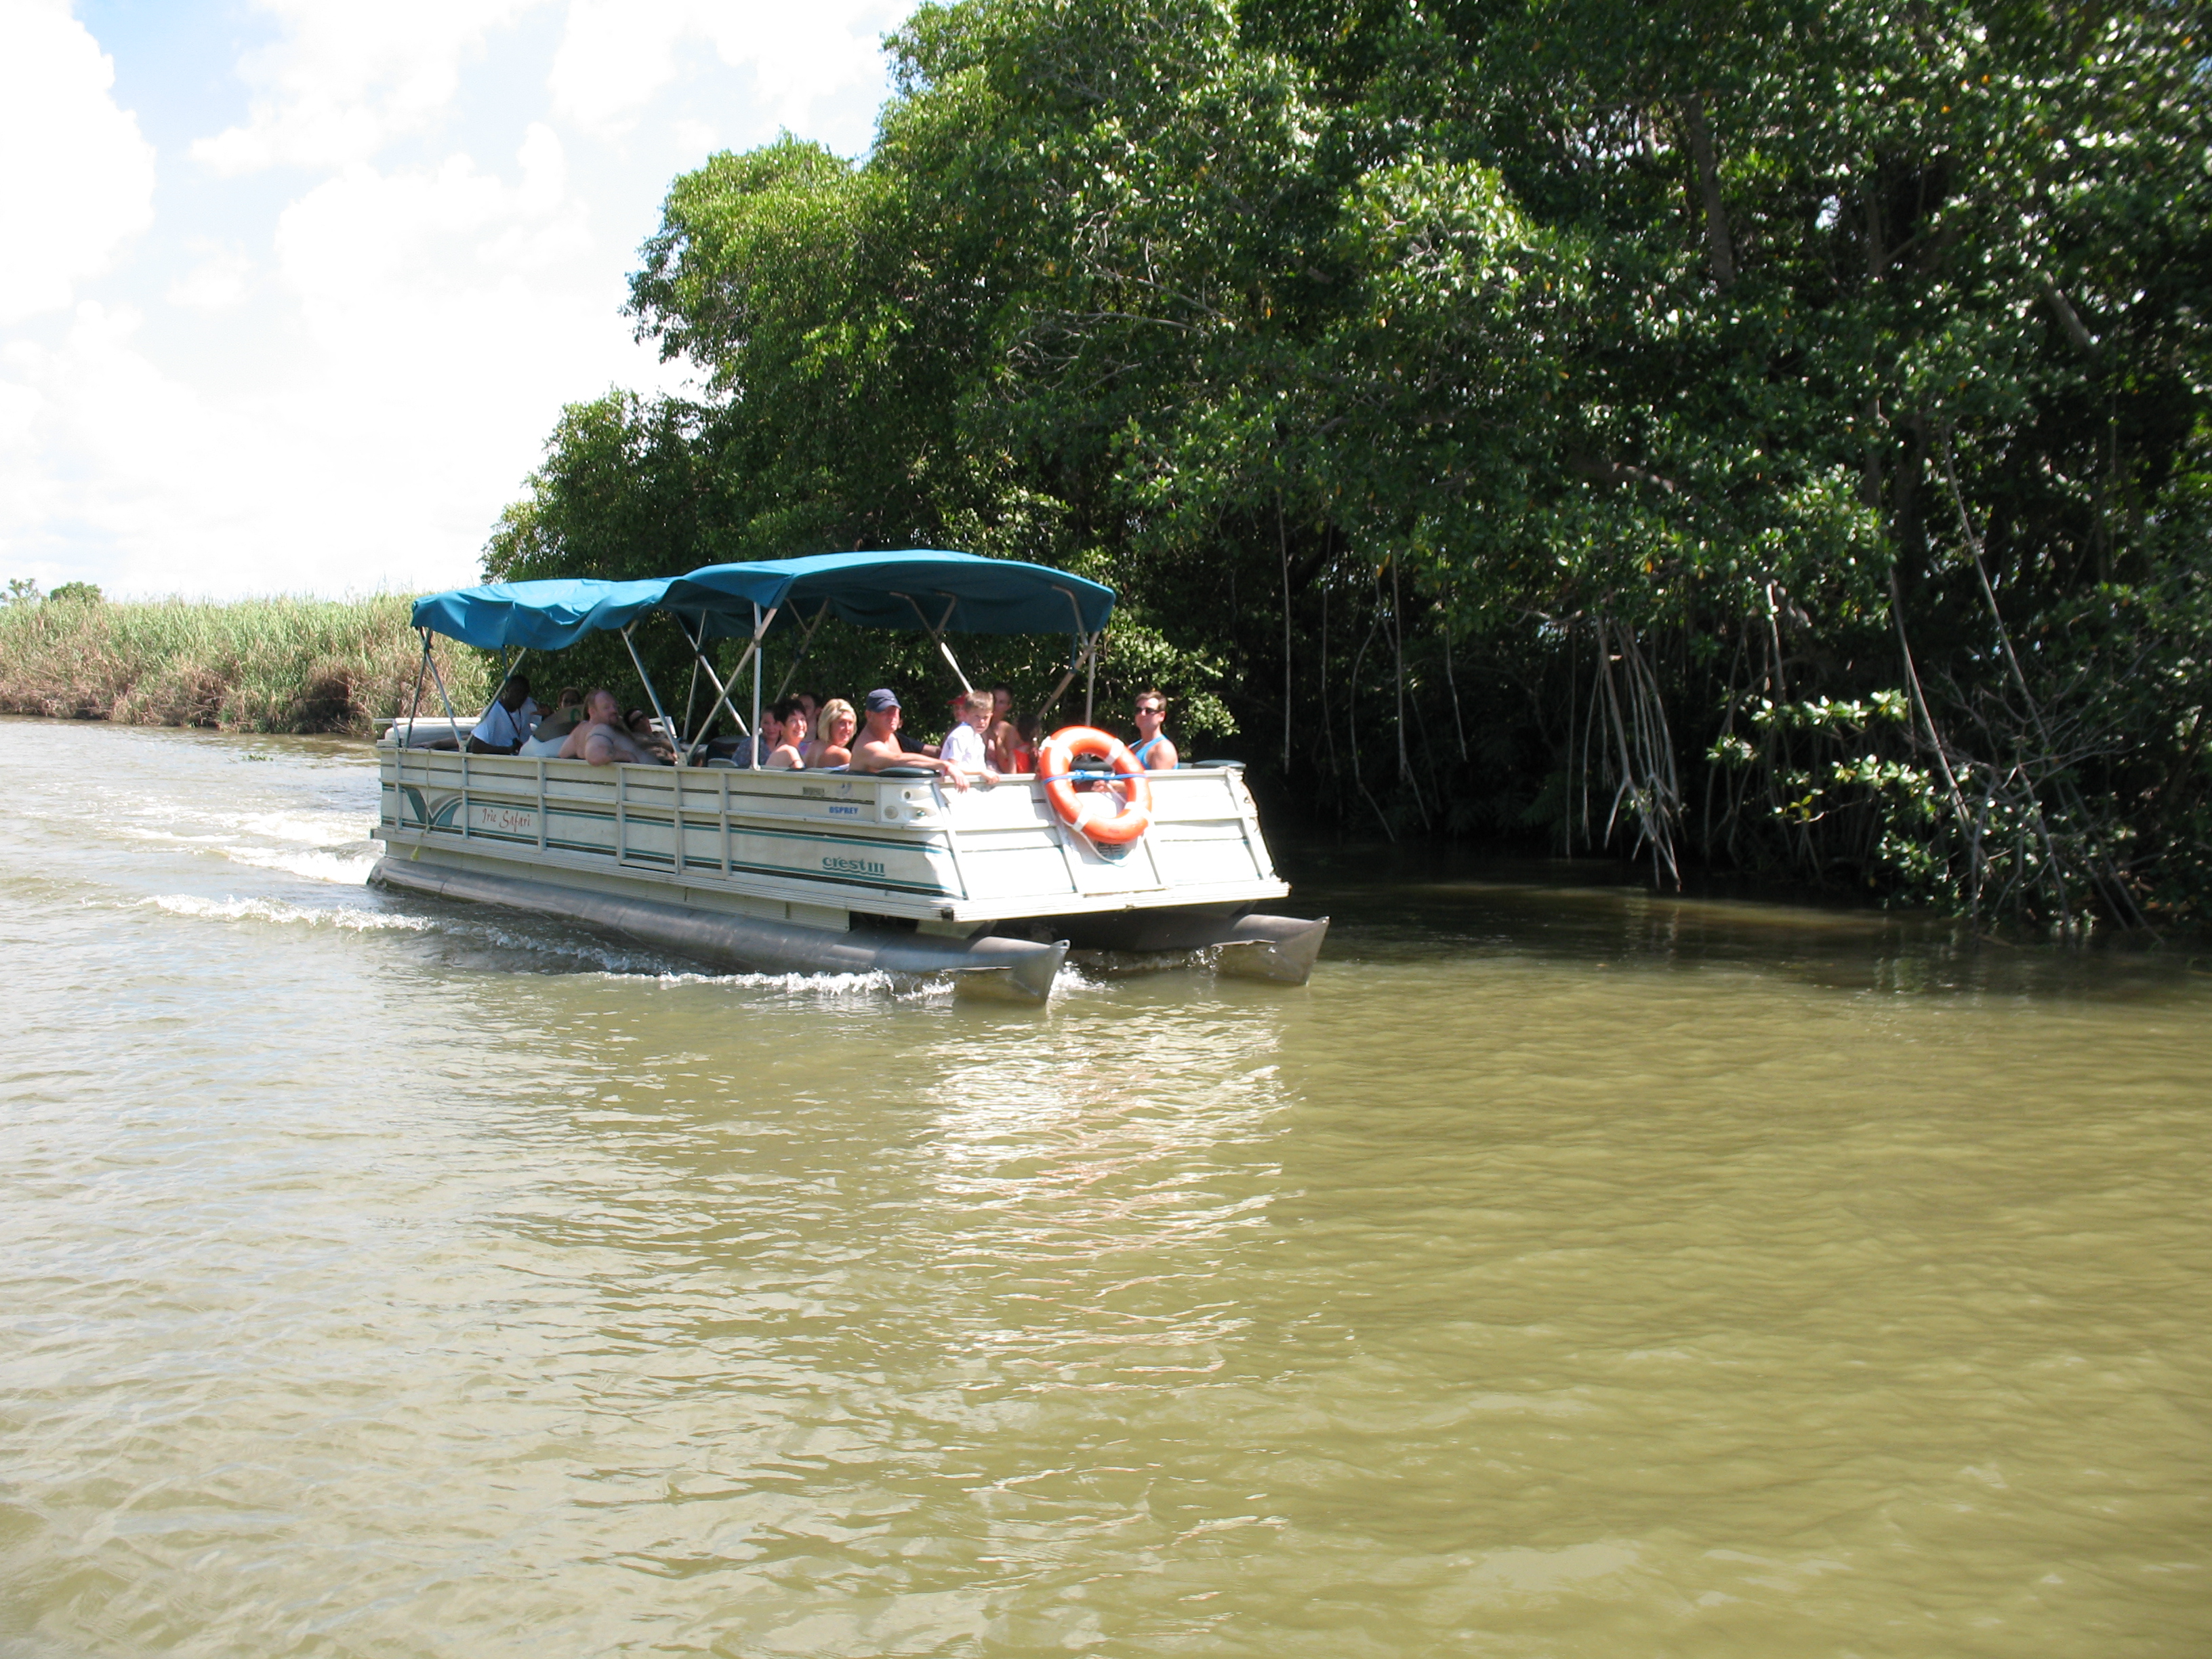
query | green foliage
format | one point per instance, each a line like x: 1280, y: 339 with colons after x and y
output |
x: 77, y: 593
x: 1776, y: 434
x: 280, y: 664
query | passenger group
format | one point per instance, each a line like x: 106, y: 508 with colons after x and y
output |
x: 800, y: 731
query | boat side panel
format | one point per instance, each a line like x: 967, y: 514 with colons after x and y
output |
x: 895, y: 846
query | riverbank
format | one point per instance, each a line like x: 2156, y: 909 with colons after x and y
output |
x: 275, y: 665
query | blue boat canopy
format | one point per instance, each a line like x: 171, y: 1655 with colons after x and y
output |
x: 542, y: 616
x: 917, y: 588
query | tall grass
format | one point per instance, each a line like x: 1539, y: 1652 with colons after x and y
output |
x: 277, y: 664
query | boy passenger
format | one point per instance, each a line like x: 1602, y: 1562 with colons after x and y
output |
x: 966, y: 744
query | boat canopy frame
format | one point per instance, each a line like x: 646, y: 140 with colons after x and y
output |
x: 968, y: 594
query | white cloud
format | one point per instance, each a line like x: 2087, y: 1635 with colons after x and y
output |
x: 222, y: 277
x: 76, y: 179
x: 334, y: 384
x: 439, y: 317
x: 615, y: 55
x: 346, y: 79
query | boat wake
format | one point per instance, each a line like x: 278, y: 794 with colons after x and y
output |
x: 346, y: 918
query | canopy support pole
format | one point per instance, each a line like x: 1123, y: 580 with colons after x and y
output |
x: 452, y: 720
x: 753, y: 651
x: 937, y: 633
x: 1085, y: 653
x: 646, y: 679
x: 505, y: 673
x: 1085, y: 646
x: 722, y: 690
x: 415, y: 707
x: 805, y: 645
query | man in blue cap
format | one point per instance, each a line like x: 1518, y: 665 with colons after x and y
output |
x: 877, y: 747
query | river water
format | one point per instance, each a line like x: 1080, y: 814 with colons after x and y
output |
x: 1564, y: 1272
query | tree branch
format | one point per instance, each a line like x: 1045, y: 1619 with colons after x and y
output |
x: 2069, y: 318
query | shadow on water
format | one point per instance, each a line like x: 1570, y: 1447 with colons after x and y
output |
x: 1410, y: 904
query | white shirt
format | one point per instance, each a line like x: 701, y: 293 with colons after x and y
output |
x: 963, y: 746
x: 502, y: 729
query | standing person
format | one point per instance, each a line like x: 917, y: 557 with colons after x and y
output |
x: 879, y: 746
x: 832, y: 744
x: 965, y: 744
x: 1153, y: 749
x: 508, y: 722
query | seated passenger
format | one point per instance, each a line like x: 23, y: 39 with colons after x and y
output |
x: 647, y: 730
x: 756, y: 749
x: 567, y: 715
x: 789, y: 755
x: 1001, y: 736
x: 603, y: 738
x: 1153, y: 749
x: 833, y: 747
x: 966, y: 744
x: 1028, y: 732
x: 506, y: 723
x: 879, y: 746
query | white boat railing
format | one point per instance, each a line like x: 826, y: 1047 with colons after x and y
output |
x: 901, y: 846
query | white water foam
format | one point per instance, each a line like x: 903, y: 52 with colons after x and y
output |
x: 825, y: 986
x: 322, y: 829
x: 346, y: 868
x: 349, y: 918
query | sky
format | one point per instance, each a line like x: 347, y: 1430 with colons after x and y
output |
x: 293, y: 291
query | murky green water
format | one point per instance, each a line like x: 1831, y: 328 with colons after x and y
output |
x: 1560, y: 1273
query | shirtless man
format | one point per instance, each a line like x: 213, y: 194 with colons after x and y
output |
x: 879, y: 746
x: 603, y: 739
x: 1153, y: 749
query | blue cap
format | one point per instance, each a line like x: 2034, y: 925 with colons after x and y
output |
x: 881, y: 698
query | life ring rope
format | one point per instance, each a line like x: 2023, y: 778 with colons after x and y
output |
x: 1132, y: 810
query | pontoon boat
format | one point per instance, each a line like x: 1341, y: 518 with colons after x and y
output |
x: 830, y: 871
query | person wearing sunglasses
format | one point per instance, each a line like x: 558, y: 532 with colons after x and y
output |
x: 1154, y: 753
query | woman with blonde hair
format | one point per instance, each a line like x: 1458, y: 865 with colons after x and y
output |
x: 832, y: 744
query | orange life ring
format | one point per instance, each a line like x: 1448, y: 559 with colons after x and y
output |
x: 1089, y: 812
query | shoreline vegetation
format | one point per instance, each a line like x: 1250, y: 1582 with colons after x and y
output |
x: 1730, y: 439
x: 279, y: 665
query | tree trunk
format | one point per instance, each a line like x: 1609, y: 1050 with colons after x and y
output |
x: 1718, y: 244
